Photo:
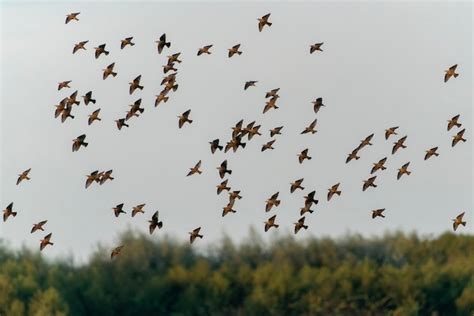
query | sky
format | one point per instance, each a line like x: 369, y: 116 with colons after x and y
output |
x: 383, y: 65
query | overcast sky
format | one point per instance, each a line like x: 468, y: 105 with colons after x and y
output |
x: 382, y: 65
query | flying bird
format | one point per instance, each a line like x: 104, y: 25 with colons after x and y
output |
x: 399, y: 144
x: 458, y: 221
x: 64, y: 84
x: 215, y: 145
x: 458, y: 137
x: 116, y: 251
x: 234, y: 50
x: 303, y: 155
x: 78, y: 142
x: 174, y: 58
x: 195, y: 169
x: 378, y: 213
x: 309, y: 199
x: 315, y: 47
x: 88, y: 98
x: 78, y: 46
x: 453, y: 122
x: 450, y: 73
x: 66, y: 112
x: 333, y: 190
x: 204, y: 50
x: 268, y: 145
x: 379, y: 165
x: 120, y: 123
x: 72, y: 16
x: 223, y: 186
x: 300, y: 224
x: 317, y: 104
x: 161, y: 97
x: 234, y: 195
x: 228, y: 209
x: 296, y: 185
x: 135, y: 84
x: 93, y: 176
x: 125, y: 42
x: 390, y: 131
x: 223, y: 169
x: 162, y: 43
x: 306, y: 209
x: 94, y: 117
x: 38, y: 226
x: 46, y: 241
x: 118, y: 210
x: 270, y: 223
x: 431, y: 152
x: 249, y: 84
x: 311, y: 128
x: 134, y: 109
x: 138, y: 209
x: 369, y: 183
x: 272, y: 201
x: 352, y: 155
x: 100, y: 50
x: 109, y: 71
x: 365, y: 142
x: 72, y: 99
x: 403, y: 170
x: 183, y: 118
x: 272, y: 93
x: 155, y: 223
x: 263, y: 21
x: 194, y: 234
x: 270, y: 105
x: 276, y: 131
x: 106, y: 176
x: 8, y: 211
x: 23, y: 176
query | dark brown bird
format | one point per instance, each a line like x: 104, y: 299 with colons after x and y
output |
x: 249, y: 84
x: 174, y: 58
x: 162, y: 43
x: 223, y: 169
x: 431, y: 152
x: 215, y: 145
x: 334, y: 190
x: 352, y: 155
x: 60, y: 107
x: 38, y: 226
x: 72, y: 16
x: 109, y: 71
x: 204, y: 50
x: 135, y: 84
x: 135, y: 109
x: 390, y: 131
x: 311, y: 128
x: 138, y: 209
x: 399, y: 144
x: 233, y: 196
x: 403, y: 170
x: 223, y: 186
x: 64, y: 84
x: 234, y: 50
x: 270, y: 105
x: 161, y: 97
x: 237, y: 129
x: 268, y: 145
x: 120, y: 123
x: 369, y: 183
x: 78, y: 46
x: 458, y: 137
x: 272, y: 93
x: 195, y: 169
x: 100, y: 50
x: 296, y: 185
x: 254, y: 131
x: 8, y: 211
x: 88, y: 98
x: 228, y: 209
x: 94, y: 176
x: 78, y: 142
x: 303, y: 155
x: 118, y: 210
x: 378, y: 213
x: 194, y: 234
x: 270, y: 223
x: 263, y: 21
x: 183, y: 118
x: 306, y: 209
x: 23, y: 176
x: 317, y: 104
x: 309, y: 199
x: 66, y: 112
x: 169, y: 67
x: 106, y: 176
x: 379, y: 165
x: 453, y: 122
x: 154, y: 223
x: 315, y: 47
x: 46, y: 241
x: 450, y: 73
x: 300, y: 224
x: 272, y: 201
x: 275, y: 131
x: 365, y: 142
x: 72, y: 99
x: 116, y: 251
x: 458, y: 221
x: 94, y: 117
x: 125, y: 42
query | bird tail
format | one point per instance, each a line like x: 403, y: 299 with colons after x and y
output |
x: 463, y: 140
x: 126, y: 125
x: 200, y: 236
x: 309, y: 158
x: 99, y: 119
x: 383, y: 168
x: 51, y: 243
x: 160, y: 224
x: 85, y: 144
x: 168, y: 44
x: 13, y: 214
x: 165, y: 99
x: 141, y: 110
x: 408, y: 172
x: 140, y: 87
x: 436, y: 154
x: 338, y: 193
x: 71, y: 116
x: 357, y: 158
x: 305, y: 226
x: 229, y: 171
x: 277, y: 203
x: 132, y: 44
x: 114, y: 74
x: 111, y: 178
x: 199, y: 171
x: 276, y: 225
x: 92, y: 100
x: 456, y: 75
x: 269, y: 23
x: 220, y: 147
x: 381, y: 215
x: 243, y: 145
x: 310, y: 211
x: 404, y: 146
x: 463, y: 223
x: 106, y: 53
x: 240, y: 53
x: 190, y: 121
x: 374, y: 185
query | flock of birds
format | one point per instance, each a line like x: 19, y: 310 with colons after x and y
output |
x: 239, y: 131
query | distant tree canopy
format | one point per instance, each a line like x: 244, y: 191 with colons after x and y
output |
x: 396, y: 274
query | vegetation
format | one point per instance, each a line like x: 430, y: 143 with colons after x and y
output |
x: 396, y: 274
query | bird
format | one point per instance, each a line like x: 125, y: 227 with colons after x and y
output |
x: 250, y: 83
x: 194, y: 234
x: 66, y: 112
x: 93, y: 176
x: 315, y: 47
x: 268, y: 145
x: 234, y: 195
x: 309, y: 199
x: 458, y: 221
x: 311, y: 128
x: 116, y: 251
x: 272, y: 93
x: 263, y: 21
x: 228, y: 209
x: 109, y: 71
x: 276, y: 131
x: 134, y: 109
x: 23, y: 176
x: 271, y: 223
x: 303, y: 155
x: 453, y: 122
x: 78, y: 142
x: 399, y: 144
x: 333, y: 190
x: 100, y: 50
x: 94, y: 117
x: 60, y: 107
x: 72, y: 99
x: 174, y: 58
x: 317, y: 104
x: 38, y: 226
x: 352, y: 155
x: 138, y: 209
x: 450, y: 73
x: 215, y: 145
x: 369, y: 183
x: 154, y: 223
x: 272, y: 201
x: 46, y: 241
x: 223, y: 186
x: 403, y: 170
x: 125, y: 42
x: 106, y: 176
x: 390, y: 131
x: 365, y: 142
x: 270, y: 105
x: 223, y: 169
x: 306, y: 209
x: 234, y: 50
x: 300, y: 224
x: 183, y: 118
x: 162, y: 43
x: 378, y: 213
x: 254, y: 131
x: 458, y: 137
x: 237, y: 128
x: 64, y: 84
x: 118, y: 210
x: 431, y: 152
x: 78, y: 46
x: 72, y: 16
x: 8, y: 211
x: 120, y: 123
x: 88, y: 98
x: 169, y: 67
x: 161, y: 97
x: 195, y: 169
x: 204, y: 50
x: 379, y: 165
x: 296, y: 185
x: 135, y: 84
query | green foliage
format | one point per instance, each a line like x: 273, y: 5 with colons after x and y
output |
x: 396, y: 274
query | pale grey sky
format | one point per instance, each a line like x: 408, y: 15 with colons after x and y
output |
x: 383, y: 65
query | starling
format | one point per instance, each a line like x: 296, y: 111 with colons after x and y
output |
x: 8, y: 211
x: 64, y: 84
x: 391, y: 131
x: 72, y: 16
x: 378, y: 213
x: 183, y: 118
x: 272, y: 201
x: 458, y: 221
x: 234, y: 50
x: 365, y: 142
x: 311, y: 128
x: 272, y: 93
x: 138, y: 209
x: 94, y: 117
x: 155, y: 223
x: 72, y: 99
x: 174, y: 58
x: 403, y: 170
x: 38, y: 226
x: 451, y: 72
x: 334, y: 190
x: 315, y: 47
x: 195, y: 169
x: 253, y: 131
x: 228, y: 209
x: 352, y: 155
x: 249, y: 84
x: 94, y: 176
x: 204, y: 50
x: 161, y: 97
x: 458, y: 137
x: 234, y: 195
x: 303, y: 155
x: 118, y: 210
x: 453, y: 122
x: 296, y: 185
x: 300, y: 224
x: 88, y: 98
x: 270, y: 105
x: 379, y: 165
x: 306, y: 209
x: 46, y: 241
x: 431, y: 152
x: 369, y: 183
x: 126, y: 41
x: 223, y: 186
x: 66, y: 113
x: 135, y: 84
x: 215, y: 145
x: 162, y: 43
x: 268, y: 145
x: 275, y: 131
x: 309, y: 199
x: 78, y: 46
x: 223, y: 169
x: 270, y: 223
x: 100, y: 50
x: 78, y: 142
x: 134, y: 109
x: 263, y: 21
x: 399, y: 144
x: 317, y: 104
x: 106, y: 176
x: 23, y: 176
x: 120, y: 123
x: 194, y: 234
x: 109, y: 71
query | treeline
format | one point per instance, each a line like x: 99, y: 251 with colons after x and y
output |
x: 396, y: 274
